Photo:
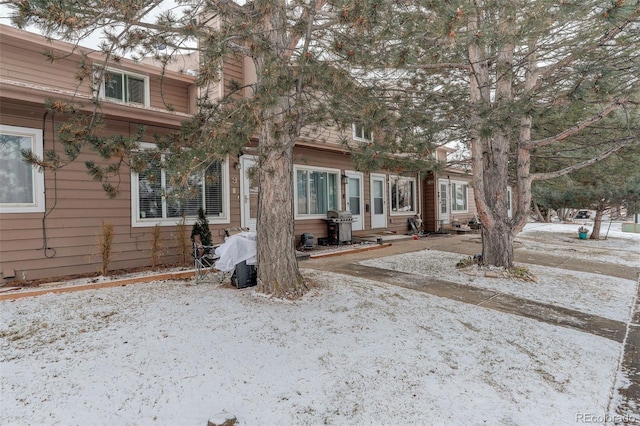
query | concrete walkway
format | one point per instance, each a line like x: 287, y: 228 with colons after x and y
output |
x: 346, y: 262
x: 627, y: 334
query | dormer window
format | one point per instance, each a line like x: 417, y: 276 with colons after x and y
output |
x: 362, y: 133
x: 125, y: 87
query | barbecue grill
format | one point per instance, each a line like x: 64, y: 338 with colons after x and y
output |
x: 339, y: 226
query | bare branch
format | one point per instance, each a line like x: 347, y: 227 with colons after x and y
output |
x: 603, y: 40
x: 306, y: 17
x: 574, y: 129
x: 617, y: 147
x: 464, y: 67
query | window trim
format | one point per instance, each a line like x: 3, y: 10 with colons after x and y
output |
x: 38, y: 188
x: 412, y: 212
x: 353, y: 174
x: 454, y: 198
x: 147, y: 91
x: 360, y: 138
x: 138, y: 222
x: 303, y: 216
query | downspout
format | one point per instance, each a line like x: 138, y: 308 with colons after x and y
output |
x: 45, y: 247
x: 419, y: 189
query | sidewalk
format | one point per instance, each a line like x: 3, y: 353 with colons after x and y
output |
x: 468, y: 245
x: 346, y: 262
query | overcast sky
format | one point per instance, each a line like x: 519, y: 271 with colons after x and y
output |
x: 91, y: 42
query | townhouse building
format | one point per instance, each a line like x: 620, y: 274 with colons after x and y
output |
x: 50, y: 220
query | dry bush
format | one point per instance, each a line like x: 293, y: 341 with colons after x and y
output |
x: 184, y: 246
x: 156, y: 246
x: 105, y: 246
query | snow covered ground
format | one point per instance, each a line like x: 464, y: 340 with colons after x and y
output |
x: 614, y: 246
x: 590, y: 293
x: 351, y: 352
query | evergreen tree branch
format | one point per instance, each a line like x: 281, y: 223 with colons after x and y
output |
x: 572, y: 57
x: 444, y: 65
x: 574, y: 129
x: 617, y: 147
x: 307, y: 17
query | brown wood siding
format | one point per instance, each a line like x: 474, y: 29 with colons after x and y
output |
x: 430, y: 203
x: 232, y: 72
x: 327, y: 135
x: 430, y: 191
x: 463, y: 217
x: 24, y: 62
x: 63, y: 240
x: 235, y: 182
x: 310, y: 157
x: 170, y: 95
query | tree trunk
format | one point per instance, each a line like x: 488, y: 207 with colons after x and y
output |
x: 490, y: 153
x: 278, y: 272
x: 536, y: 211
x: 597, y: 223
x: 497, y: 245
x: 562, y: 214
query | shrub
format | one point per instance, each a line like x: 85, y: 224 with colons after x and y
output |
x: 156, y: 246
x: 464, y: 262
x: 201, y: 227
x: 105, y: 245
x: 183, y: 246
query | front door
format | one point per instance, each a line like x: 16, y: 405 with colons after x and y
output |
x: 355, y: 202
x: 249, y: 192
x: 378, y: 202
x: 443, y: 203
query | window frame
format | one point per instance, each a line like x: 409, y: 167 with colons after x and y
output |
x: 138, y: 222
x: 359, y: 133
x: 296, y: 169
x: 454, y: 196
x: 394, y: 179
x: 147, y: 91
x: 37, y: 174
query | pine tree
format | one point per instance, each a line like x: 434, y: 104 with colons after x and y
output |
x: 512, y: 80
x: 611, y: 183
x: 301, y: 56
x: 201, y: 228
x: 506, y: 78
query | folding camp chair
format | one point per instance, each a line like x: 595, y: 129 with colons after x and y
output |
x: 204, y: 260
x: 205, y: 257
x: 235, y: 230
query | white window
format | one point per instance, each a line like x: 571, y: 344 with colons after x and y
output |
x: 403, y: 194
x: 459, y: 197
x: 362, y: 133
x: 125, y: 87
x: 317, y: 191
x: 155, y: 200
x: 22, y: 188
x: 509, y: 202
